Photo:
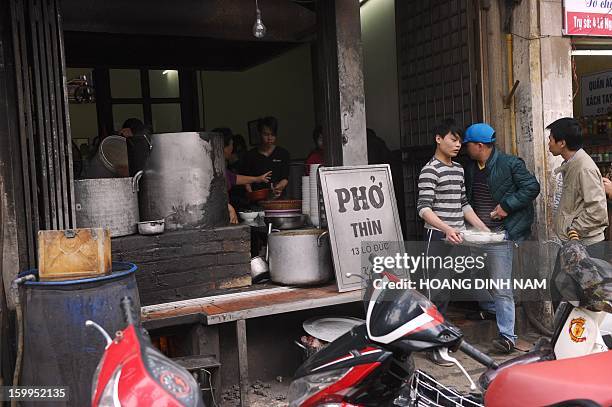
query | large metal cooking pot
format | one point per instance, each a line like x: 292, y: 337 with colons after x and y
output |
x: 300, y: 257
x: 184, y: 181
x: 109, y: 203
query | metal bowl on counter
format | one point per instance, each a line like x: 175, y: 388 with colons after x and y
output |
x: 151, y: 227
x: 286, y: 222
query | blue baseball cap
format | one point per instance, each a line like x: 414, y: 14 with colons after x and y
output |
x: 479, y: 133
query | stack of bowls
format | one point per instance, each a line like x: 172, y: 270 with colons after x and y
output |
x: 306, y: 195
x: 314, y: 195
x: 282, y: 208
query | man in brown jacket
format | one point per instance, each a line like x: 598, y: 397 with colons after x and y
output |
x: 582, y: 213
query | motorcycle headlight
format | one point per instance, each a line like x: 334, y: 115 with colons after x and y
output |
x: 305, y: 387
x: 110, y: 395
x: 174, y: 379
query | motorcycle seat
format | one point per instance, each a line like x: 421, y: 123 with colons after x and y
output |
x: 545, y: 383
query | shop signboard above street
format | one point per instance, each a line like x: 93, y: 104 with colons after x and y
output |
x: 362, y: 219
x: 596, y: 93
x: 588, y: 18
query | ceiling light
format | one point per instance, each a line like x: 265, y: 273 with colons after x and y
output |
x: 259, y: 29
x: 592, y: 52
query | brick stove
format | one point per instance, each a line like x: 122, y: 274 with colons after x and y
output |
x: 187, y: 264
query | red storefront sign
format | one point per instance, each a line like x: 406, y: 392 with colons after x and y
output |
x: 588, y: 17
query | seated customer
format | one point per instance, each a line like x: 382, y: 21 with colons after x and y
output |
x: 268, y: 157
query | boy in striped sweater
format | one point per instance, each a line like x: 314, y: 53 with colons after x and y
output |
x: 444, y: 207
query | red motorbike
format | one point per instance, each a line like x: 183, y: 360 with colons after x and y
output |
x: 133, y: 373
x: 372, y: 365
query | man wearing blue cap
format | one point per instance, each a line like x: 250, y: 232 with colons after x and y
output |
x: 501, y: 191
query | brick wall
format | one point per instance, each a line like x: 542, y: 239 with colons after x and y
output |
x: 187, y: 264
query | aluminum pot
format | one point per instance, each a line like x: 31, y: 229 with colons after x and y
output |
x: 184, y: 181
x: 300, y: 257
x: 107, y: 203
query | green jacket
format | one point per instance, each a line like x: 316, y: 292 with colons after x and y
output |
x: 513, y: 187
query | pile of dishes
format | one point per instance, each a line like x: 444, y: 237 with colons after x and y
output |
x: 315, y: 207
x: 306, y: 195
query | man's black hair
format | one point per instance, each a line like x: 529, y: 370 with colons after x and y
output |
x: 135, y: 125
x: 227, y: 134
x: 447, y: 126
x: 568, y: 129
x: 269, y: 122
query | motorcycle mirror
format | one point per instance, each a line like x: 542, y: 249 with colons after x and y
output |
x: 101, y: 330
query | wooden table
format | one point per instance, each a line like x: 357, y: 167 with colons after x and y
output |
x: 238, y: 307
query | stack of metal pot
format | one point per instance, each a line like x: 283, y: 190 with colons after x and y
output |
x: 183, y: 183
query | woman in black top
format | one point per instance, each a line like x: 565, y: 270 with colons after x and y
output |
x: 267, y: 156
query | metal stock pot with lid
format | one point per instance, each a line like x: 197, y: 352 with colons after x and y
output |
x: 300, y: 257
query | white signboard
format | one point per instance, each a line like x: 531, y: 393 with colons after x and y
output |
x: 361, y: 213
x: 587, y: 18
x: 596, y: 93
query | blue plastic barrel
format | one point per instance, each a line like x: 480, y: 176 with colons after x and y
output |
x: 59, y: 350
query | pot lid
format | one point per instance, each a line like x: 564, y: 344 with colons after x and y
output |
x: 329, y: 329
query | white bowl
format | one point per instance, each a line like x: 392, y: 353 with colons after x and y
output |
x: 152, y: 227
x: 248, y: 216
x: 483, y: 237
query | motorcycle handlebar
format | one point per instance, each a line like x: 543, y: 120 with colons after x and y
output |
x: 477, y: 355
x: 128, y: 310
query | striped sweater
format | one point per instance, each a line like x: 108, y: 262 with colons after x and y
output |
x: 442, y: 189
